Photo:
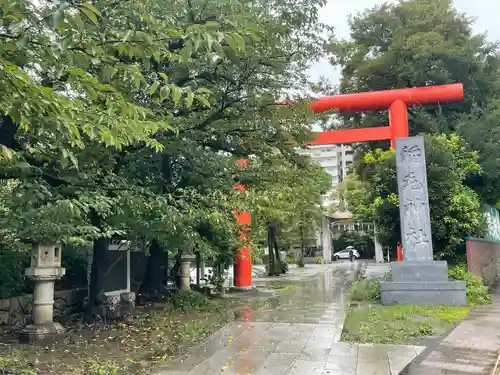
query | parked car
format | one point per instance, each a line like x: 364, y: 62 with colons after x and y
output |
x: 344, y: 254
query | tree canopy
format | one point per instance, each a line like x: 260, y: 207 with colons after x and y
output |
x: 415, y: 43
x: 122, y: 121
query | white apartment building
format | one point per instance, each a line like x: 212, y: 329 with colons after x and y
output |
x: 335, y: 160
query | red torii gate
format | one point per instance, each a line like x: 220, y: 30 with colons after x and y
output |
x: 396, y: 101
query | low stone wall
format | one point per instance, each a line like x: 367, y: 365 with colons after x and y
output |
x: 16, y: 311
x: 483, y: 259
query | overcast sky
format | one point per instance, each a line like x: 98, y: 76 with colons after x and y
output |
x: 335, y: 13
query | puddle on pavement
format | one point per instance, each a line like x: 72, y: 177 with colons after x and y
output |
x: 304, y: 301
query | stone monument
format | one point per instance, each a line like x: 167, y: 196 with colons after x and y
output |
x: 185, y: 272
x: 44, y: 271
x: 326, y: 239
x: 418, y: 279
x: 379, y: 251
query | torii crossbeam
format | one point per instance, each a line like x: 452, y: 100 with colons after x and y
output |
x: 396, y: 101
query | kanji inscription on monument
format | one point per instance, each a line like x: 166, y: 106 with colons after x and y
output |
x: 413, y: 199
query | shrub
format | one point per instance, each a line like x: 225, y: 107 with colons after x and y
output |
x: 74, y: 260
x: 365, y: 290
x: 12, y: 266
x: 477, y: 293
x: 284, y: 267
x: 185, y: 301
x: 387, y: 276
x: 318, y: 260
x: 16, y: 258
x: 291, y: 258
x: 257, y: 255
x: 279, y: 267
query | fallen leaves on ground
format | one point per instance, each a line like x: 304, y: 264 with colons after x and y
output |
x: 154, y: 335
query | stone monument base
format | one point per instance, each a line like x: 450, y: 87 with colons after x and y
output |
x: 423, y: 293
x: 41, y: 333
x: 422, y: 283
x: 420, y: 271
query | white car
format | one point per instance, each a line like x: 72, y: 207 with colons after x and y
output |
x: 344, y: 254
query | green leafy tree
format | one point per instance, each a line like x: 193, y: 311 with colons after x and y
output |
x: 288, y: 195
x: 245, y: 120
x: 414, y: 43
x: 148, y: 111
x: 417, y: 43
x: 69, y: 69
x: 481, y: 129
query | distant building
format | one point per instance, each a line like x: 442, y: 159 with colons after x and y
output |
x: 335, y: 160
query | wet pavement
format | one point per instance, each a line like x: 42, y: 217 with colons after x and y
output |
x: 300, y: 335
x: 470, y: 349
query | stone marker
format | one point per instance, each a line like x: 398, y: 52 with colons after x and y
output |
x: 185, y: 272
x: 326, y: 239
x: 418, y: 279
x: 44, y: 271
x: 379, y: 251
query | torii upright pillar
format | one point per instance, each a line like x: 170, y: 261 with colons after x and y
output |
x: 396, y: 101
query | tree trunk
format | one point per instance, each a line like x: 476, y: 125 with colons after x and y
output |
x: 198, y: 268
x: 154, y: 276
x: 279, y: 268
x: 8, y: 130
x: 302, y: 245
x: 270, y: 266
x: 274, y: 256
x: 97, y: 272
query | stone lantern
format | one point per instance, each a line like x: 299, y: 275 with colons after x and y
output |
x: 185, y: 271
x: 44, y: 271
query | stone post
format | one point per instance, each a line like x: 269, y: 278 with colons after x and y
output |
x: 44, y: 271
x: 127, y: 302
x: 418, y: 279
x: 110, y: 306
x: 379, y: 252
x: 326, y: 240
x: 185, y: 272
x: 198, y: 269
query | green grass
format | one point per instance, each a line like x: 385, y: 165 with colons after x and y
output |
x: 365, y: 290
x: 399, y: 324
x: 370, y: 322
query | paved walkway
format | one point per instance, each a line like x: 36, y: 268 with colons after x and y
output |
x: 471, y: 348
x: 299, y: 336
